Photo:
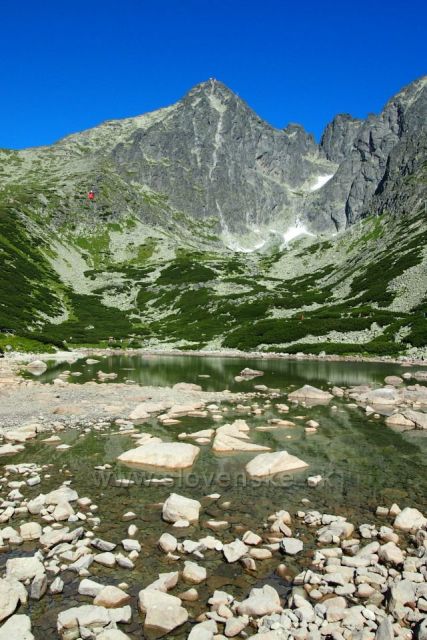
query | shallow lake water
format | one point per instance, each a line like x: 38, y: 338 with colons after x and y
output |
x: 363, y: 462
x: 163, y: 370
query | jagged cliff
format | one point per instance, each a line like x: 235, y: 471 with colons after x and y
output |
x: 369, y: 148
x: 210, y: 227
x: 211, y: 156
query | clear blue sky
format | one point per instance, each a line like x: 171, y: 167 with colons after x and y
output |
x: 67, y: 65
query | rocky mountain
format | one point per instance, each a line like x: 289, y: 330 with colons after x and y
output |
x: 212, y: 228
x: 338, y: 137
x: 213, y: 156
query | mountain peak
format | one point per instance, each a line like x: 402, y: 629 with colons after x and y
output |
x: 339, y: 135
x: 212, y: 89
x: 211, y: 85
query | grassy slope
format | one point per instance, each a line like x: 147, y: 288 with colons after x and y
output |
x: 142, y: 286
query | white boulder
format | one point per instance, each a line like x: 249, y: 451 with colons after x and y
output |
x: 168, y: 543
x: 409, y: 520
x: 193, y: 572
x: 18, y: 627
x: 166, y: 455
x: 36, y: 367
x: 291, y: 546
x: 267, y: 464
x: 30, y: 531
x: 111, y: 597
x: 24, y: 568
x: 178, y: 507
x: 307, y: 392
x: 234, y: 550
x: 12, y: 592
x: 260, y: 602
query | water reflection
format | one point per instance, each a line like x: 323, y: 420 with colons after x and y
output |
x: 168, y: 370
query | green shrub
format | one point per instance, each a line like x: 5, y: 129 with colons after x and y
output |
x: 185, y: 272
x: 92, y: 322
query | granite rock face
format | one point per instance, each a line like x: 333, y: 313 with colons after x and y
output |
x: 210, y: 156
x: 338, y: 137
x: 385, y: 147
x: 213, y: 156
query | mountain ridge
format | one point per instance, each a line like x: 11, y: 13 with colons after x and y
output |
x: 212, y: 228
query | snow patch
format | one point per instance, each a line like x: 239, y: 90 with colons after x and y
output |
x: 321, y: 181
x: 253, y: 244
x: 297, y: 230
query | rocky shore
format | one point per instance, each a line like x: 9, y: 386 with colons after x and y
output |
x: 315, y: 574
x: 23, y: 399
x: 367, y: 582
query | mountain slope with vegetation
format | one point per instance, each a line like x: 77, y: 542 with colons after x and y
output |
x: 211, y: 229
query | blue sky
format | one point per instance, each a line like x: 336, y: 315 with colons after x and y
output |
x: 69, y: 65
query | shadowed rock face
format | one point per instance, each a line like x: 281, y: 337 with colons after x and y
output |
x: 383, y: 146
x: 338, y: 137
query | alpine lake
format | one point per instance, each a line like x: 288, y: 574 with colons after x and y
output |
x: 363, y: 464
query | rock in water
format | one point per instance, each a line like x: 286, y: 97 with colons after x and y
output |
x: 307, y: 392
x: 260, y: 602
x: 186, y: 386
x: 395, y: 381
x: 61, y: 495
x: 399, y: 420
x: 224, y: 443
x: 165, y: 455
x: 168, y: 543
x: 268, y: 464
x: 234, y: 626
x: 159, y: 621
x: 37, y: 367
x: 12, y: 592
x: 18, y: 627
x: 251, y: 373
x: 90, y: 588
x: 384, y: 397
x: 30, y: 531
x: 111, y: 597
x: 291, y: 546
x: 178, y: 507
x: 56, y: 586
x: 203, y: 631
x: 313, y: 481
x: 24, y: 568
x: 38, y: 586
x: 193, y: 572
x: 235, y: 550
x: 419, y: 418
x: 91, y: 617
x: 164, y: 582
x: 149, y: 598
